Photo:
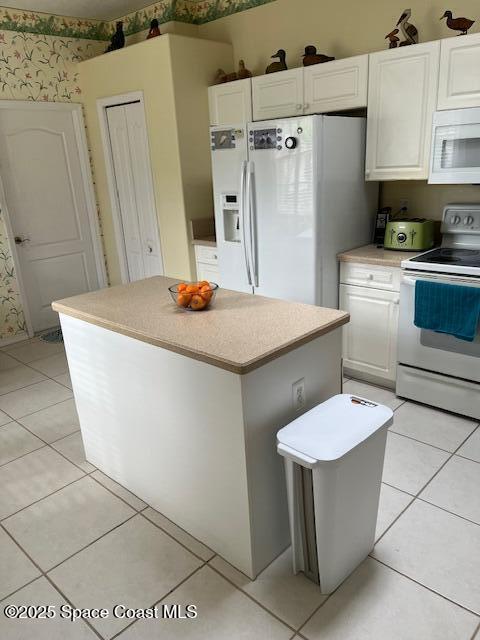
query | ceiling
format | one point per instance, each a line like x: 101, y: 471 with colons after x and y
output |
x: 103, y: 10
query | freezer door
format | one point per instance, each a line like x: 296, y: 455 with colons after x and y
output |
x: 229, y: 156
x: 283, y: 181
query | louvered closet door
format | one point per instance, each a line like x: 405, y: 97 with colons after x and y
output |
x: 134, y: 187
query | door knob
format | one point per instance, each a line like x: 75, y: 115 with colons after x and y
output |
x: 20, y: 240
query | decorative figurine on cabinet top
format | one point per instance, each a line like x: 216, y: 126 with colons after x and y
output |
x: 273, y: 67
x: 118, y: 39
x: 312, y: 57
x: 154, y: 29
x: 222, y: 76
x: 409, y: 31
x: 393, y: 38
x: 457, y: 24
x: 243, y: 72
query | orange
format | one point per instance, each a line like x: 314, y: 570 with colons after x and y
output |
x: 192, y: 288
x: 203, y: 283
x: 183, y: 299
x: 197, y: 302
x: 206, y: 293
x: 181, y: 287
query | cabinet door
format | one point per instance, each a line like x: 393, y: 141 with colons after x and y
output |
x: 370, y: 338
x: 231, y: 102
x: 459, y: 79
x: 278, y: 95
x: 402, y: 96
x: 336, y: 85
x: 207, y: 272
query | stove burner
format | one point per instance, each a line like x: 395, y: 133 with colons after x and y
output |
x: 462, y: 257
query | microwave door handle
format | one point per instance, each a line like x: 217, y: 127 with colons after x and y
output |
x: 243, y: 219
x: 252, y: 219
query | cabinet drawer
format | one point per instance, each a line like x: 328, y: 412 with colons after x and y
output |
x: 207, y: 255
x: 369, y: 275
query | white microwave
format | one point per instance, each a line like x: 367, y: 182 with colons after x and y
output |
x: 455, y: 156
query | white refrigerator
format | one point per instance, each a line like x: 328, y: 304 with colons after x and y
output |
x: 289, y: 195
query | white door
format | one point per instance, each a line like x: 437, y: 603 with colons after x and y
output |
x: 278, y: 95
x: 459, y: 79
x: 370, y: 338
x: 230, y: 102
x: 134, y: 188
x: 48, y: 196
x: 402, y: 96
x: 336, y: 85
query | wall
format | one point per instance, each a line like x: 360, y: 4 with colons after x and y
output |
x: 344, y: 29
x: 176, y: 110
x: 36, y: 66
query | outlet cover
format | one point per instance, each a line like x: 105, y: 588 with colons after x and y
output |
x: 299, y: 398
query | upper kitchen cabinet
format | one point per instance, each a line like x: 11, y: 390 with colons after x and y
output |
x: 336, y: 85
x: 459, y: 78
x: 278, y: 95
x: 231, y: 102
x: 402, y: 96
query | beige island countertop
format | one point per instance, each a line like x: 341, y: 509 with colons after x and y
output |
x: 239, y: 333
x: 371, y: 254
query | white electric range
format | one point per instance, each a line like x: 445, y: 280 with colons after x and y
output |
x: 436, y: 368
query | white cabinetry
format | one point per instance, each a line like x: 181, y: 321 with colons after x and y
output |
x: 459, y: 79
x: 336, y: 85
x: 231, y: 102
x: 371, y: 295
x: 207, y: 263
x: 402, y: 96
x: 278, y: 95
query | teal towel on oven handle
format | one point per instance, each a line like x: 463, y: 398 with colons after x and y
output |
x: 447, y: 308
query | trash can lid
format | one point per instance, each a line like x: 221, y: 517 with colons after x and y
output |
x: 332, y: 429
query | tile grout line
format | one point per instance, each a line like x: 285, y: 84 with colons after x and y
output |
x: 452, y: 513
x: 428, y: 444
x: 44, y: 575
x: 90, y: 474
x: 37, y: 410
x: 42, y: 446
x: 475, y: 632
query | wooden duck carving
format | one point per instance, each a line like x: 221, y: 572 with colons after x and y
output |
x: 393, y: 38
x: 154, y: 29
x: 457, y: 24
x: 312, y: 57
x: 273, y: 67
x: 118, y: 38
x: 409, y: 31
x: 243, y: 72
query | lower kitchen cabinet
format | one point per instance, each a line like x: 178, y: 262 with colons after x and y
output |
x: 207, y: 263
x: 370, y: 338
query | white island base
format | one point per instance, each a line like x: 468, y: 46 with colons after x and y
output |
x: 193, y: 440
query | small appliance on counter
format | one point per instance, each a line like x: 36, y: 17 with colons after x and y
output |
x: 409, y: 234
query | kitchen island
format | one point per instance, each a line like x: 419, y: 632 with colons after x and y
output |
x: 182, y: 408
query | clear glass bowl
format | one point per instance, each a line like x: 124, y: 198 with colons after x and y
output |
x: 193, y: 300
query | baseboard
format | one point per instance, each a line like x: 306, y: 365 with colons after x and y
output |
x: 361, y: 376
x: 20, y: 337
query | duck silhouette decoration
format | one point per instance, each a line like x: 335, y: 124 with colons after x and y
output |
x: 312, y: 57
x: 281, y: 65
x: 408, y: 30
x: 457, y: 24
x: 118, y: 39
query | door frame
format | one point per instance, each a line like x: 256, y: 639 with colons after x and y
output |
x: 102, y: 104
x: 76, y: 109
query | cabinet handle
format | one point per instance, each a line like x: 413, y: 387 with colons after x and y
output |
x: 306, y: 106
x: 215, y: 257
x: 396, y: 301
x: 370, y: 276
x: 298, y: 107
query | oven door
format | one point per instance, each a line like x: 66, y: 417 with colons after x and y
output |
x: 437, y: 352
x: 455, y: 155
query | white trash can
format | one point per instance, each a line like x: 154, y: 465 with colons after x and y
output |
x: 333, y: 462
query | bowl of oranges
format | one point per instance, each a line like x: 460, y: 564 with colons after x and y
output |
x: 193, y: 296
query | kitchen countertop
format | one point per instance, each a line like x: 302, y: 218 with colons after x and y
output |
x: 240, y: 333
x: 370, y: 254
x: 208, y: 241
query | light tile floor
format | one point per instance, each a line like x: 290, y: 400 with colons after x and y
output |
x: 69, y: 535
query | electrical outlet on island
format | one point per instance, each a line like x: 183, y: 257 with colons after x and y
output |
x: 299, y: 398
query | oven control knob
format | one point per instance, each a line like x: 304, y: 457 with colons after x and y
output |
x: 468, y: 220
x: 455, y: 220
x: 290, y: 143
x: 401, y: 237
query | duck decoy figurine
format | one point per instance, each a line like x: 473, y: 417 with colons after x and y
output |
x: 393, y: 38
x: 273, y: 67
x: 154, y: 29
x: 457, y: 24
x: 118, y: 39
x: 409, y: 31
x: 243, y: 72
x: 312, y: 57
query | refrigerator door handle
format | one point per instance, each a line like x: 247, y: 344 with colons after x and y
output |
x: 243, y: 217
x: 252, y: 217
